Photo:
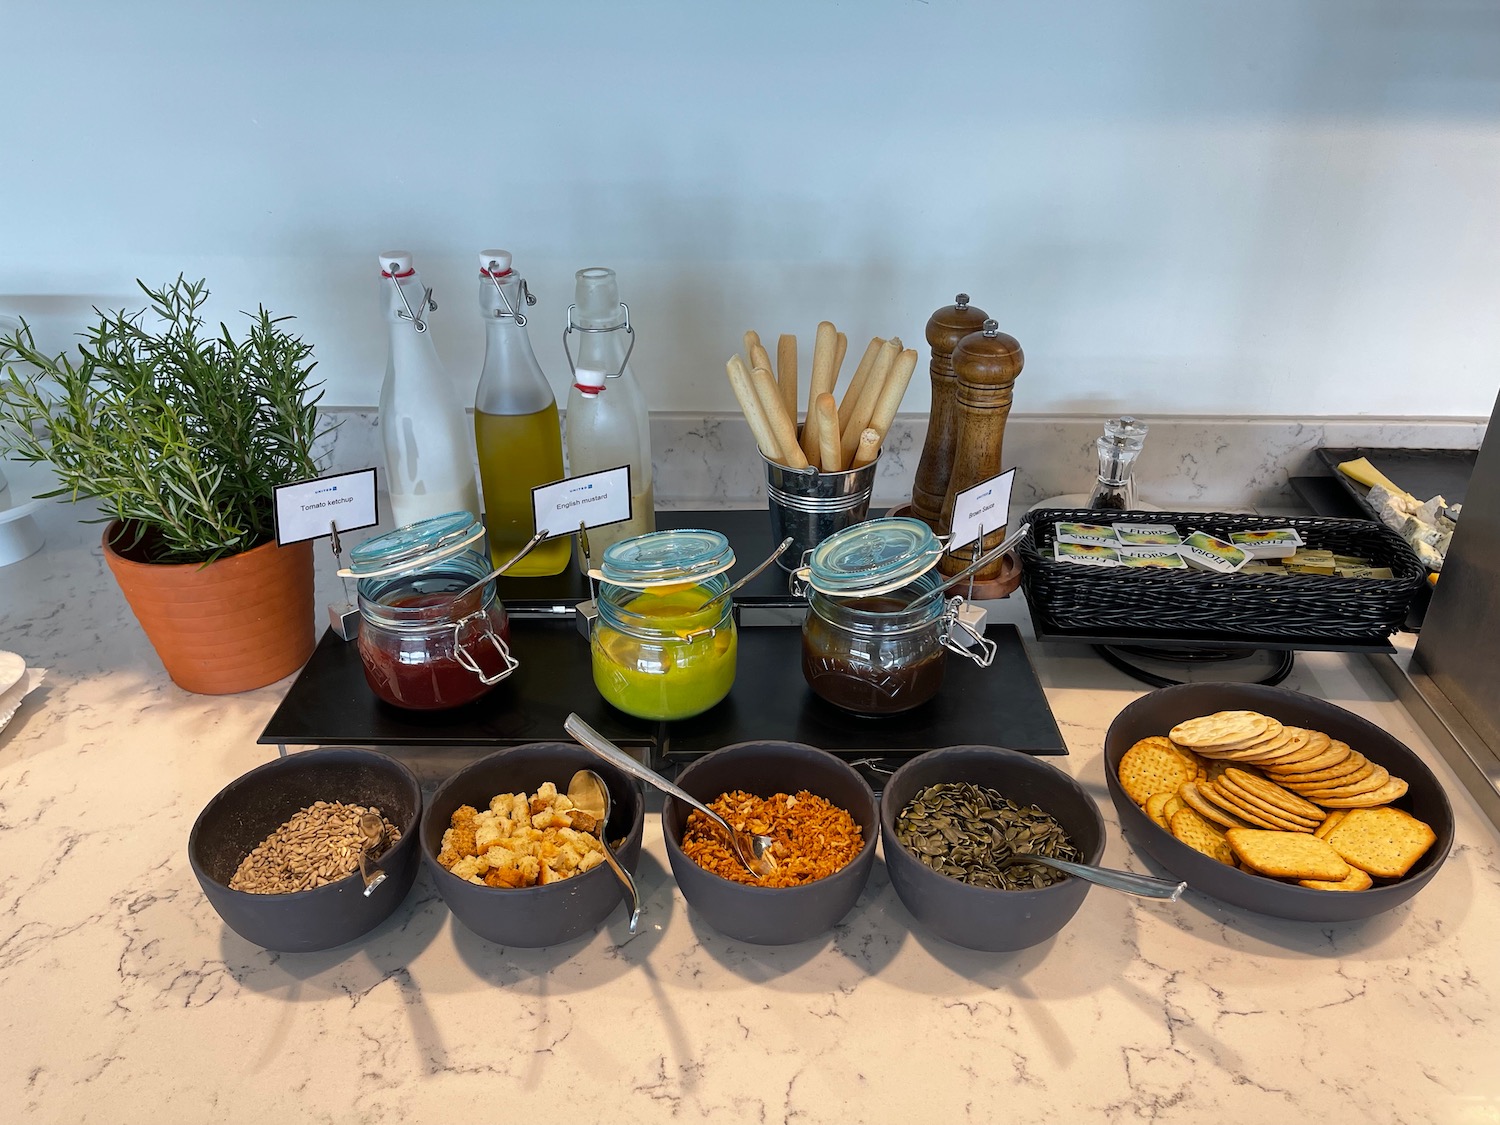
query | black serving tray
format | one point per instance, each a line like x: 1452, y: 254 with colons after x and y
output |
x: 1004, y: 705
x: 1422, y: 472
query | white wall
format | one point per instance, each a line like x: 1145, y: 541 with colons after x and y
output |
x: 1264, y: 207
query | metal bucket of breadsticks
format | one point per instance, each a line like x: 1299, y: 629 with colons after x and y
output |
x: 819, y: 478
x: 810, y: 505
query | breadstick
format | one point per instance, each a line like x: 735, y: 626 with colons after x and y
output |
x: 829, y: 458
x: 857, y: 384
x: 868, y: 448
x: 840, y: 346
x: 821, y: 383
x: 860, y: 418
x: 781, y: 425
x: 890, y: 394
x: 786, y: 372
x: 758, y: 356
x: 752, y: 341
x: 744, y: 391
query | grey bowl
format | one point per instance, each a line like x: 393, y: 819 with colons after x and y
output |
x: 253, y: 806
x: 984, y: 918
x: 1160, y: 711
x: 772, y: 915
x: 533, y: 917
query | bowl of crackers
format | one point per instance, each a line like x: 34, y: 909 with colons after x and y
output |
x: 1276, y: 801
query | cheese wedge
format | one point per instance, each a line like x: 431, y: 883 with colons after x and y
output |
x: 1368, y: 475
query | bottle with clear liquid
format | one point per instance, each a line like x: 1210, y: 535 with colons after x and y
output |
x: 516, y: 426
x: 1118, y: 449
x: 608, y: 422
x: 428, y: 461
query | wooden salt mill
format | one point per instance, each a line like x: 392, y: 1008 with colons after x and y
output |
x: 945, y: 328
x: 985, y: 366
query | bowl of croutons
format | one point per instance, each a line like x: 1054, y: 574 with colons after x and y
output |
x: 515, y: 860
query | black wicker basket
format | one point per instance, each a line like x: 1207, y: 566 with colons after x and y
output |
x: 1201, y: 605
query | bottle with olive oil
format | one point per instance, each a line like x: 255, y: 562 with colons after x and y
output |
x: 516, y: 426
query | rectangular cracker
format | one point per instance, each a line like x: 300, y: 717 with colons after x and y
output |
x: 1287, y: 855
x: 1386, y: 842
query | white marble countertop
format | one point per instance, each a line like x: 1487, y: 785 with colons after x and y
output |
x: 126, y: 999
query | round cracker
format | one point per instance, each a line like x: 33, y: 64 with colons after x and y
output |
x: 1250, y: 814
x: 1202, y: 836
x: 1387, y: 793
x: 1270, y: 791
x: 1375, y: 781
x: 1155, y: 765
x: 1192, y: 796
x: 1352, y: 768
x: 1264, y: 810
x: 1335, y: 754
x: 1221, y: 729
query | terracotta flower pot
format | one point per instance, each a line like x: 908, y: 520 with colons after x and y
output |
x: 236, y: 624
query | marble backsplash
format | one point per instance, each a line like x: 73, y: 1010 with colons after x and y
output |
x: 711, y: 461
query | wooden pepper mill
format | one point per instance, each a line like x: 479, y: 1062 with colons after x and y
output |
x: 985, y: 366
x: 945, y: 328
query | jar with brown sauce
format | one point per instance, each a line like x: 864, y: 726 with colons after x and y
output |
x: 877, y: 634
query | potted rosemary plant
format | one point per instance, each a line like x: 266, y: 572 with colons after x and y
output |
x: 181, y: 435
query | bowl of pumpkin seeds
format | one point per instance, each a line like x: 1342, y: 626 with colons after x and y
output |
x: 956, y: 828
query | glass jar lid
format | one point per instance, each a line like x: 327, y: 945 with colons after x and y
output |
x: 415, y: 547
x: 873, y: 557
x: 660, y: 558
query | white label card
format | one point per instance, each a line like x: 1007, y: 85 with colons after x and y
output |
x: 594, y: 500
x: 986, y: 505
x: 311, y: 508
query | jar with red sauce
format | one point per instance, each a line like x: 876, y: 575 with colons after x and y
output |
x: 422, y: 646
x: 872, y: 643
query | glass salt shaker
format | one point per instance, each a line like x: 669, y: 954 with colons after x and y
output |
x: 1118, y: 448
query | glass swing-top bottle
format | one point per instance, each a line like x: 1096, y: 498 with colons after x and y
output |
x: 608, y: 423
x: 516, y: 427
x: 429, y: 466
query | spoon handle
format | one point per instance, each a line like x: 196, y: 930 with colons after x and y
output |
x: 719, y: 597
x: 503, y: 567
x: 982, y: 561
x: 590, y: 738
x: 1144, y: 886
x: 627, y: 879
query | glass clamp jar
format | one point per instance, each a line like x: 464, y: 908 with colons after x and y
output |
x: 422, y: 647
x: 877, y: 634
x: 664, y: 642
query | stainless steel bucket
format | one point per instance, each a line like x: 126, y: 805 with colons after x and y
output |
x: 810, y: 505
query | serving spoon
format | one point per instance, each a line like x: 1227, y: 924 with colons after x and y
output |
x: 373, y: 829
x: 751, y: 850
x: 1142, y: 886
x: 588, y: 792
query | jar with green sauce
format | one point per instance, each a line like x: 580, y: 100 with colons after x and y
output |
x: 661, y: 647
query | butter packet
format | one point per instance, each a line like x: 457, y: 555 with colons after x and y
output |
x: 1365, y: 572
x: 1086, y: 534
x: 1307, y: 561
x: 1273, y: 543
x: 1204, y: 552
x: 1253, y: 567
x: 1085, y: 554
x: 1161, y: 558
x: 1147, y: 534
